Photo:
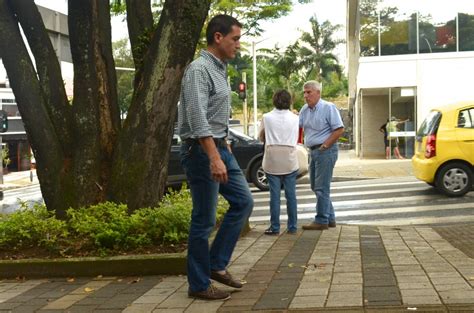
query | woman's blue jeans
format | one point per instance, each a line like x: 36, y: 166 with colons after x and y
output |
x: 321, y: 169
x: 204, y: 191
x: 289, y: 184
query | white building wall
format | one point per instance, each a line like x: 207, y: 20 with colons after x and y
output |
x: 440, y: 78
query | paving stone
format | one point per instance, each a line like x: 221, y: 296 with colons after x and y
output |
x: 300, y: 302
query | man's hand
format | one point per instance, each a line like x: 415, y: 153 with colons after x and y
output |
x: 218, y: 170
x: 217, y: 166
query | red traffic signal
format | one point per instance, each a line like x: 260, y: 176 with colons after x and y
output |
x: 242, y: 90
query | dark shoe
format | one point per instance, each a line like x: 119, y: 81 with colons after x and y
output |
x: 332, y: 224
x: 269, y: 231
x: 315, y: 226
x: 226, y: 279
x: 291, y: 231
x: 211, y: 293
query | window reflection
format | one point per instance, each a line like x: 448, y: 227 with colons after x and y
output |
x: 398, y: 32
x: 437, y: 33
x: 466, y: 31
x: 413, y: 27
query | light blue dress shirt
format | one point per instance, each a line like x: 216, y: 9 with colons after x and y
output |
x: 319, y: 123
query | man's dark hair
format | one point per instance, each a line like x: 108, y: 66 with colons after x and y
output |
x: 220, y: 24
x: 282, y: 99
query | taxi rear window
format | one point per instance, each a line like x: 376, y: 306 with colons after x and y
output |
x: 429, y: 125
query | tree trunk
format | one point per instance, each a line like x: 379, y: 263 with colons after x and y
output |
x: 95, y: 109
x: 36, y: 106
x: 141, y: 159
x: 83, y: 156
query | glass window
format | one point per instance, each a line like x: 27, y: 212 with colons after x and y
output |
x: 368, y: 28
x: 466, y: 118
x: 429, y: 125
x: 397, y: 31
x: 437, y: 30
x: 466, y: 31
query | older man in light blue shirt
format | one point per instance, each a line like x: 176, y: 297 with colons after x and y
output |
x: 322, y: 126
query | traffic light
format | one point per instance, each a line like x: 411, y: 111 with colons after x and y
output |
x: 242, y: 90
x: 3, y: 121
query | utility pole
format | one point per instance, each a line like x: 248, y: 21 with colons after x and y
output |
x: 244, y: 107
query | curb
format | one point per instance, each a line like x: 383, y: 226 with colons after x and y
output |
x: 156, y: 264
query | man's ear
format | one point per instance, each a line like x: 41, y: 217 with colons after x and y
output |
x: 218, y: 37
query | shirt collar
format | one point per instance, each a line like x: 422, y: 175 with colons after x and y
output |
x: 212, y: 58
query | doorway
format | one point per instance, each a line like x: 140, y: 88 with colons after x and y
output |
x: 392, y: 109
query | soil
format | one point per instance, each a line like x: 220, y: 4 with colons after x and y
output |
x: 69, y: 252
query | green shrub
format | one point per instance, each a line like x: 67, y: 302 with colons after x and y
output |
x: 31, y: 226
x: 105, y: 228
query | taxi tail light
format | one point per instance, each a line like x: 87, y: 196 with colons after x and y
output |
x: 430, y: 150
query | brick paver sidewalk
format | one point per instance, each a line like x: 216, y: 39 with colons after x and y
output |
x: 349, y: 269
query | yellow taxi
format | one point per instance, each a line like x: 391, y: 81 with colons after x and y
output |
x: 444, y: 146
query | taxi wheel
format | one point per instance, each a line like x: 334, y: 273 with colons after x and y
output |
x: 454, y: 179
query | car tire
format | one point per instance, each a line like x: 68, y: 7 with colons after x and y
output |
x: 454, y: 179
x: 258, y: 177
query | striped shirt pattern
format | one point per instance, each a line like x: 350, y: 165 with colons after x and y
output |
x: 205, y: 99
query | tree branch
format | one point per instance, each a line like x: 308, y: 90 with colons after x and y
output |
x: 47, y: 67
x: 140, y: 25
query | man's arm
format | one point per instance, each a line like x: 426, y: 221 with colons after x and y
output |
x: 333, y: 138
x: 216, y: 165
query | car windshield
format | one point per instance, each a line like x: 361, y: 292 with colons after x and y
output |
x: 429, y: 125
x: 240, y: 134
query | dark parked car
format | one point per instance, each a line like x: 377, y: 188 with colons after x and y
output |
x: 247, y: 151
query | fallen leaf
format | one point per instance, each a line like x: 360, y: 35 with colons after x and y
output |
x: 412, y: 309
x: 71, y: 280
x: 88, y: 289
x: 99, y: 276
x: 135, y: 281
x: 291, y: 264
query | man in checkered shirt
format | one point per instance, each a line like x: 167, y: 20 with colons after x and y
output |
x: 203, y: 118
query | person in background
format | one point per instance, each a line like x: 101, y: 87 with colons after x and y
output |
x: 279, y: 131
x: 322, y: 127
x: 210, y: 166
x: 392, y: 126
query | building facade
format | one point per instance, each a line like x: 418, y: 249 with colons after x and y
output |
x: 406, y: 57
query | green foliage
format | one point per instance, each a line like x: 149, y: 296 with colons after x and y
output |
x: 5, y: 155
x: 106, y: 228
x: 32, y: 226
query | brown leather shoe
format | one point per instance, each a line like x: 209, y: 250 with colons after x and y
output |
x: 315, y: 226
x: 211, y: 293
x: 226, y: 279
x: 332, y: 224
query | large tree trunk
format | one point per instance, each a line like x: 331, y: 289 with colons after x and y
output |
x: 141, y: 158
x: 95, y: 109
x: 83, y: 155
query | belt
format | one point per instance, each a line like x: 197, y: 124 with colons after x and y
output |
x: 219, y: 142
x: 315, y: 146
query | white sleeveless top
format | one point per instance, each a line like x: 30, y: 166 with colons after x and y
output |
x: 281, y: 137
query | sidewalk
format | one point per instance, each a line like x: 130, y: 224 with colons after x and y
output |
x: 347, y: 269
x: 350, y: 268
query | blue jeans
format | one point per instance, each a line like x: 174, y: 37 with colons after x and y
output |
x: 204, y: 191
x: 321, y: 168
x: 289, y: 184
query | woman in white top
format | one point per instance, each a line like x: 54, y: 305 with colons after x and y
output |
x: 279, y: 131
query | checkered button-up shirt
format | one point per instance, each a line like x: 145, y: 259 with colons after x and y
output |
x: 205, y: 99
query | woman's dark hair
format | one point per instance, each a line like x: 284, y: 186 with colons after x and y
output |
x: 220, y: 24
x: 282, y: 99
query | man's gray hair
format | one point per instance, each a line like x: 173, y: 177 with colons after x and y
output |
x: 313, y: 84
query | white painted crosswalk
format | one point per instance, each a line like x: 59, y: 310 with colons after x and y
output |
x: 387, y: 201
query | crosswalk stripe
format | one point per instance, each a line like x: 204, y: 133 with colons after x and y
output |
x: 399, y: 210
x: 339, y: 204
x: 346, y: 194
